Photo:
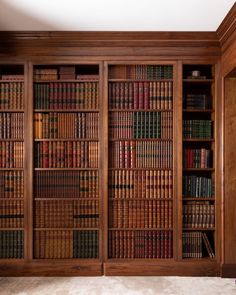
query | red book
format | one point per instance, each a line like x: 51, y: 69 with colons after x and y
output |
x: 136, y: 95
x: 146, y: 96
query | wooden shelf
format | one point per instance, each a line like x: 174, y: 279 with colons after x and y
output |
x: 198, y: 169
x: 141, y: 110
x: 140, y: 199
x: 198, y: 139
x: 66, y: 199
x: 198, y: 111
x: 142, y: 169
x: 67, y: 81
x: 139, y: 139
x: 65, y: 139
x: 11, y: 228
x: 198, y: 229
x: 66, y: 228
x: 75, y: 110
x: 140, y: 80
x: 140, y: 228
x: 11, y: 169
x: 65, y: 169
x: 12, y: 199
x: 11, y: 139
x: 198, y: 199
x: 12, y: 81
x: 11, y: 111
x: 207, y: 81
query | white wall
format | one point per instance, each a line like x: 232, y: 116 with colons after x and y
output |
x: 113, y: 15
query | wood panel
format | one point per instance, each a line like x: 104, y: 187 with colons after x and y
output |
x: 49, y: 268
x: 142, y: 268
x: 110, y: 43
x: 230, y: 171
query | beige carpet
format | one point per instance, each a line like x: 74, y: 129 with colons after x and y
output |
x: 117, y: 286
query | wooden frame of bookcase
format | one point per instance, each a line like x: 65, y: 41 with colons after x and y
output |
x: 175, y: 266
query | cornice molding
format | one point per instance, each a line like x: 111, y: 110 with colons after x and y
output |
x: 226, y: 31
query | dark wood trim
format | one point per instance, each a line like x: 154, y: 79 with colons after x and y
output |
x: 28, y: 43
x: 57, y: 268
x: 153, y: 268
x: 228, y: 271
x: 226, y: 31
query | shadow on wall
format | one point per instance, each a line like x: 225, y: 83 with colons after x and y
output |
x: 12, y: 19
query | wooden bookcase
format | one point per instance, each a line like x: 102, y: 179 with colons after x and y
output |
x: 199, y: 161
x: 66, y: 170
x: 120, y: 207
x: 140, y: 176
x: 12, y: 162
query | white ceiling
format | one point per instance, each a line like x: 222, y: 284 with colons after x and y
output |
x: 113, y: 15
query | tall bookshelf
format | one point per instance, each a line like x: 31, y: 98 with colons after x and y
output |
x: 66, y: 198
x: 12, y: 188
x: 198, y: 162
x: 140, y: 163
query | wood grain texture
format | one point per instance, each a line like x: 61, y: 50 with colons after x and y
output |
x: 226, y: 31
x: 228, y: 271
x: 139, y: 268
x: 55, y: 268
x: 109, y: 43
x: 230, y: 172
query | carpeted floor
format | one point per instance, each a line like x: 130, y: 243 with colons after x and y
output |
x: 117, y: 286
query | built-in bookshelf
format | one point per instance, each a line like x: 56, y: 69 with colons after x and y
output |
x: 198, y: 188
x: 66, y: 168
x: 12, y: 196
x: 140, y: 176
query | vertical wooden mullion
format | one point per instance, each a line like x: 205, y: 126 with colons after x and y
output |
x: 104, y: 158
x: 28, y: 168
x: 178, y: 171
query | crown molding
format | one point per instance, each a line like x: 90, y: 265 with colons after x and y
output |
x: 175, y: 43
x: 226, y: 31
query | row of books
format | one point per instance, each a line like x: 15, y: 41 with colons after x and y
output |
x: 12, y: 125
x: 197, y: 186
x: 65, y: 244
x: 62, y: 73
x: 143, y: 154
x: 140, y: 95
x: 140, y: 214
x: 140, y: 244
x: 140, y: 125
x: 10, y: 77
x: 11, y: 244
x: 64, y: 125
x: 141, y: 72
x: 45, y: 74
x: 86, y: 244
x: 197, y: 158
x: 66, y: 154
x: 63, y: 184
x: 11, y: 184
x: 11, y: 95
x: 11, y: 154
x: 197, y: 129
x: 197, y: 101
x: 64, y: 213
x: 12, y: 214
x: 198, y: 215
x: 146, y: 184
x: 66, y: 95
x: 193, y: 245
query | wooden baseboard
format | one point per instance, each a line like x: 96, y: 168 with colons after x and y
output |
x: 135, y: 268
x: 51, y: 268
x: 228, y: 271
